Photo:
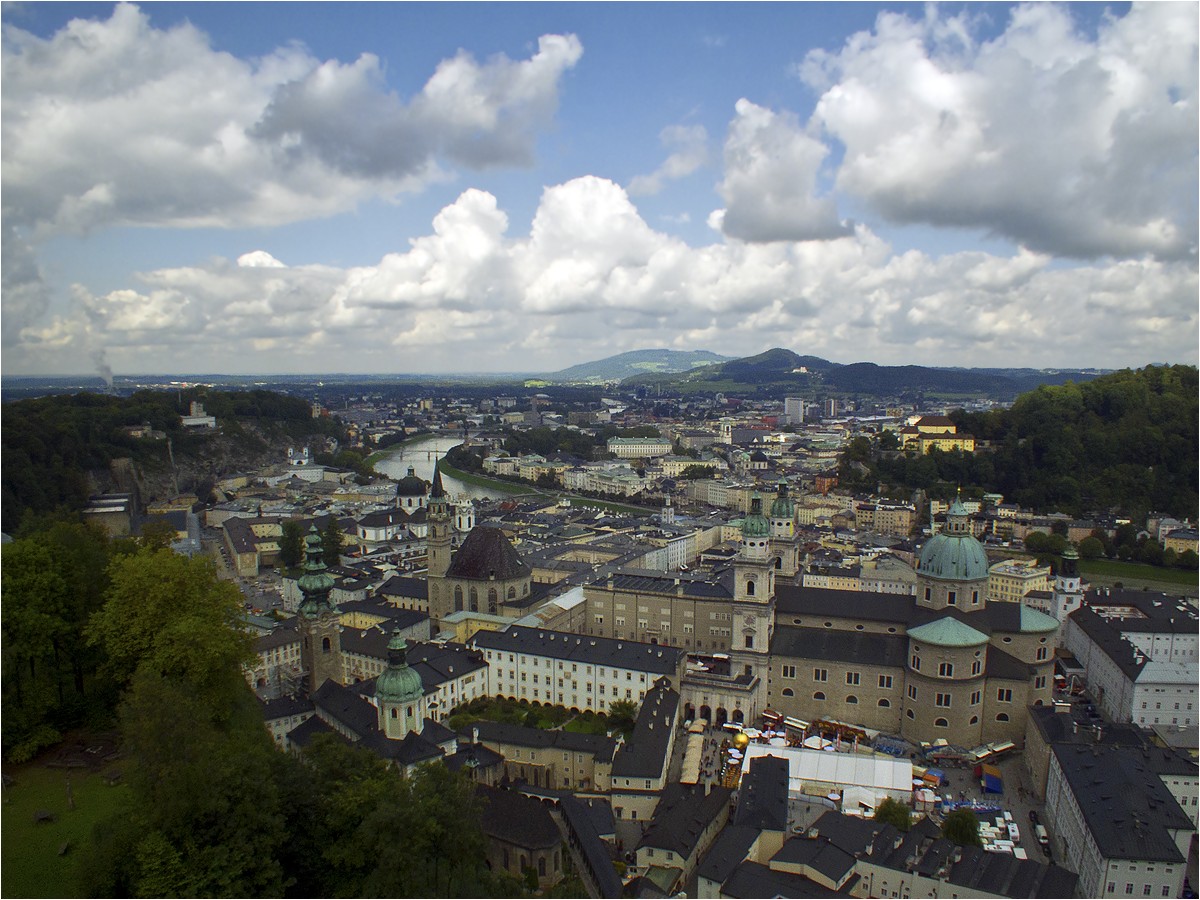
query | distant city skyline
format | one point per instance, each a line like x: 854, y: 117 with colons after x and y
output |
x: 431, y: 188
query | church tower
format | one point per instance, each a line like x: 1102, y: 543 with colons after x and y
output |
x: 437, y: 544
x: 399, y: 693
x: 785, y: 545
x: 320, y: 631
x: 753, y: 601
x: 439, y: 528
x: 952, y: 571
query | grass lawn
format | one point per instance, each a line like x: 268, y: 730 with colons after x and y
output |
x: 29, y: 862
x: 503, y: 487
x: 1137, y: 573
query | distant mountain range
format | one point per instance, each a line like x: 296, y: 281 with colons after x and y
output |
x: 634, y: 363
x: 780, y: 371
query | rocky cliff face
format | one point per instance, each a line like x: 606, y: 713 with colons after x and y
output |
x: 194, y: 464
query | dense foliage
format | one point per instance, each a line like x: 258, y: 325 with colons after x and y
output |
x: 212, y: 808
x: 1124, y: 442
x: 50, y: 444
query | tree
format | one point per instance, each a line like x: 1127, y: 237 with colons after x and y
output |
x: 331, y: 543
x: 622, y: 714
x: 893, y: 812
x: 291, y: 545
x: 696, y: 472
x: 170, y: 614
x: 962, y: 827
x: 1091, y: 548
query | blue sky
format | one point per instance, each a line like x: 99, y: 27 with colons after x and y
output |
x: 277, y: 187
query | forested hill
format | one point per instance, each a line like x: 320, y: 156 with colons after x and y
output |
x: 1125, y: 441
x: 58, y: 450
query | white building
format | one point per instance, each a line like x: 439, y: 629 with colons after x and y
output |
x: 639, y: 447
x: 571, y: 670
x: 1140, y: 654
x: 1116, y: 823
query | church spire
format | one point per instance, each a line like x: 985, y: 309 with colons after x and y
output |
x: 437, y: 491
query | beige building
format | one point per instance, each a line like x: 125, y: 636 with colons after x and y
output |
x: 885, y: 518
x: 944, y: 664
x: 1011, y: 579
x: 553, y: 759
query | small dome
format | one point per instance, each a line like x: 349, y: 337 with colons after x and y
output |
x: 398, y: 683
x: 783, y: 506
x: 410, y: 485
x: 756, y: 524
x: 741, y: 740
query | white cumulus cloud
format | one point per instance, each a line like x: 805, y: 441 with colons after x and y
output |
x: 1068, y: 144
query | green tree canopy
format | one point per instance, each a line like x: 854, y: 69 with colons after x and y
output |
x: 332, y: 540
x: 895, y: 813
x: 961, y: 826
x: 291, y: 544
x: 171, y: 615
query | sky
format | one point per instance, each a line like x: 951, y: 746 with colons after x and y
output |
x: 277, y: 188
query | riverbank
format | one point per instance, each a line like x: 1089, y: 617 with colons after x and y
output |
x: 479, y: 481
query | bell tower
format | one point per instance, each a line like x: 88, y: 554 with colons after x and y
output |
x: 753, y: 603
x: 437, y: 542
x: 319, y: 618
x: 785, y: 545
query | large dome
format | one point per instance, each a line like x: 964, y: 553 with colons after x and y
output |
x: 954, y: 554
x: 783, y: 507
x: 410, y: 485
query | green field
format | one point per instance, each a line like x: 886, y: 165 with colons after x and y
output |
x: 503, y: 487
x: 1131, y: 574
x: 31, y: 865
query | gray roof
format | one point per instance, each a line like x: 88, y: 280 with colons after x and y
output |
x: 487, y: 554
x: 763, y: 797
x: 1075, y: 728
x: 890, y: 650
x: 729, y: 849
x: 653, y: 658
x: 682, y: 815
x: 752, y: 879
x: 1125, y: 806
x: 347, y: 707
x: 644, y: 755
x: 284, y: 707
x: 523, y: 736
x: 818, y: 853
x: 510, y: 817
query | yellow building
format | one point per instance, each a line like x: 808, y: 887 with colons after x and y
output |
x: 1011, y: 579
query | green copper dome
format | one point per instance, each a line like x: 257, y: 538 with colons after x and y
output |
x: 756, y: 524
x: 316, y: 583
x: 398, y: 683
x: 783, y: 506
x: 948, y: 632
x: 954, y: 554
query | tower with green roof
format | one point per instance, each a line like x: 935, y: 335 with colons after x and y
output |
x: 753, y: 614
x: 319, y: 618
x: 399, y: 693
x: 784, y: 543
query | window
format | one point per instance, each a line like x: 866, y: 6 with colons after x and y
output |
x: 1129, y: 887
x: 819, y: 695
x: 1004, y: 695
x: 974, y: 720
x: 1042, y: 653
x: 952, y: 598
x: 975, y: 697
x: 942, y: 700
x: 909, y: 713
x: 789, y: 671
x: 976, y: 667
x: 750, y: 587
x: 915, y: 663
x: 885, y: 681
x: 928, y: 594
x: 885, y: 703
x: 788, y: 692
x: 912, y: 692
x: 820, y: 674
x: 1039, y: 682
x: 852, y: 678
x: 749, y: 642
x: 946, y: 670
x: 1145, y: 890
x: 1002, y: 717
x: 940, y: 723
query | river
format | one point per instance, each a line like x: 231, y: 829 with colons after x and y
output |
x: 421, y: 454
